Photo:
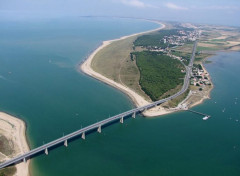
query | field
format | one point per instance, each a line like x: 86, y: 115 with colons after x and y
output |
x: 174, y: 103
x: 159, y: 73
x: 114, y: 62
x: 216, y: 38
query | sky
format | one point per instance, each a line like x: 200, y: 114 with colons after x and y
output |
x: 224, y: 12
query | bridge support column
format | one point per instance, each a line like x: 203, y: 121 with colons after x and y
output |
x: 24, y: 160
x: 46, y: 151
x: 99, y: 129
x: 134, y: 115
x: 83, y: 135
x: 121, y: 120
x: 66, y: 143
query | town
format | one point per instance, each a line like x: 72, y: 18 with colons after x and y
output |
x: 167, y: 43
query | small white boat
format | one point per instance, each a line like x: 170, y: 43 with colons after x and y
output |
x: 206, y: 117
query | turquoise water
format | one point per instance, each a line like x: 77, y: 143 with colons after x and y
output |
x: 39, y: 83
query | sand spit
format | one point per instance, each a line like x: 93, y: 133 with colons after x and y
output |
x: 136, y: 98
x: 14, y: 130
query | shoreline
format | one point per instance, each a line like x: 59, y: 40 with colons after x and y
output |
x: 87, y: 69
x: 203, y: 98
x: 14, y: 129
x: 137, y: 100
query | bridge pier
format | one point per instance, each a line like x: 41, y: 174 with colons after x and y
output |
x: 65, y: 143
x: 144, y: 110
x: 46, y: 151
x: 83, y: 135
x: 99, y: 129
x: 24, y: 160
x: 134, y: 115
x: 121, y: 120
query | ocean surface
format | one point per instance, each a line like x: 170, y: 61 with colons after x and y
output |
x: 40, y: 83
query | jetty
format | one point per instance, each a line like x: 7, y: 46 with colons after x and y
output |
x: 206, y: 116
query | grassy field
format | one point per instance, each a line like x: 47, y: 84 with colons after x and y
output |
x: 185, y: 55
x: 174, y: 103
x: 159, y: 73
x: 199, y: 57
x: 215, y: 38
x: 187, y: 48
x: 115, y: 63
x: 109, y: 60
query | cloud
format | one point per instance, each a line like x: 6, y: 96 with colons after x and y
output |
x: 223, y: 7
x: 135, y: 3
x: 174, y: 6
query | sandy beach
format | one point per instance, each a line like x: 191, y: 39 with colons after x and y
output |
x: 136, y: 98
x: 14, y: 130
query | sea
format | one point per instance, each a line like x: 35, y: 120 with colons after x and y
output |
x: 40, y: 82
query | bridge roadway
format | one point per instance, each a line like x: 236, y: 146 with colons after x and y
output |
x: 99, y: 124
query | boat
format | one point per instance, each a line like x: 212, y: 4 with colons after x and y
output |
x: 206, y: 117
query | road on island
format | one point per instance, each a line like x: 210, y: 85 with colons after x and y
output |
x: 99, y: 124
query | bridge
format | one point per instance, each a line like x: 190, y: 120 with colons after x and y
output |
x: 98, y: 126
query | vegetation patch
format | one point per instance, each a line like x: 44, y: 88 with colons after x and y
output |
x: 155, y: 39
x: 6, y: 146
x: 109, y: 60
x: 184, y: 55
x: 174, y: 103
x: 159, y: 73
x: 9, y: 171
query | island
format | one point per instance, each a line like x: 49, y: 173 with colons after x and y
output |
x: 151, y: 66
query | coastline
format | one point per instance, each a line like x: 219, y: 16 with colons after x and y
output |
x: 14, y: 130
x: 87, y: 69
x: 136, y: 98
x: 186, y: 102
